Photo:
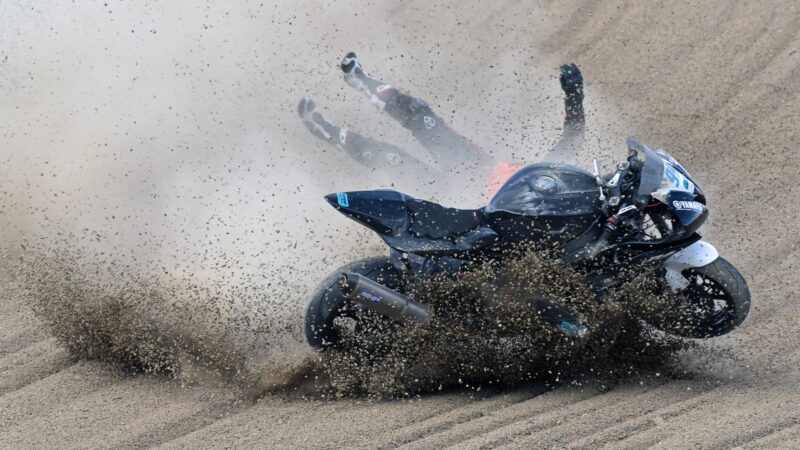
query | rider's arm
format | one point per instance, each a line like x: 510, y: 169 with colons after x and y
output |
x: 572, y: 84
x: 571, y: 141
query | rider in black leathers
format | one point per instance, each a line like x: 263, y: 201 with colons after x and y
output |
x: 449, y: 149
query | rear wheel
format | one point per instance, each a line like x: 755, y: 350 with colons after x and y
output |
x: 715, y: 302
x: 331, y: 315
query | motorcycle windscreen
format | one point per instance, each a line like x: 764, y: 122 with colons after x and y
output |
x: 659, y: 176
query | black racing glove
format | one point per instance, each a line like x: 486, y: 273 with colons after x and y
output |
x: 572, y: 84
x: 571, y: 80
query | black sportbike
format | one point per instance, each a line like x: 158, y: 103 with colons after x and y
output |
x: 644, y: 215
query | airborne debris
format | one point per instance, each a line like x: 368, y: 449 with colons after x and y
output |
x: 484, y: 333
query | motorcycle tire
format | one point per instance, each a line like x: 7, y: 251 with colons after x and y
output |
x: 720, y: 298
x: 328, y: 302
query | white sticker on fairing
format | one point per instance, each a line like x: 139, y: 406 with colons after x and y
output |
x: 684, y: 205
x: 672, y: 160
x: 674, y: 180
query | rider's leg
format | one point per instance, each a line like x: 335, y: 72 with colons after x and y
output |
x: 447, y: 146
x: 367, y: 151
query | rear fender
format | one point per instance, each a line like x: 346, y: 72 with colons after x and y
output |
x: 699, y: 254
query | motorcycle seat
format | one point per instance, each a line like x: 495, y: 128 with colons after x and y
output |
x: 433, y: 221
x: 412, y: 225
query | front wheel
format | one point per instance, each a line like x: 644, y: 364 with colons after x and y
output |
x: 715, y: 302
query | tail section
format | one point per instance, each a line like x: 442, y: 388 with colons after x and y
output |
x: 383, y: 211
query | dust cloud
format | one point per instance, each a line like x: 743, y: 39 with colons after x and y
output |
x: 163, y: 199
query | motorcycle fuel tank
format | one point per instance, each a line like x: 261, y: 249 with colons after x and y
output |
x: 545, y: 201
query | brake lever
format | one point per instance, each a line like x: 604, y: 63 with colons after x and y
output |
x: 599, y: 180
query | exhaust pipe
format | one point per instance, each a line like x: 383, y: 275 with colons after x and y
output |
x: 382, y: 300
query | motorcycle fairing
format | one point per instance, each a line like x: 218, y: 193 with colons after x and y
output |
x: 415, y: 226
x: 690, y: 213
x: 621, y: 261
x: 641, y: 252
x: 382, y: 211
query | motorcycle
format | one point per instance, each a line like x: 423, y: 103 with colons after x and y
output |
x: 643, y: 216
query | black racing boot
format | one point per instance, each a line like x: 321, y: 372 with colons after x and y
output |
x: 355, y: 76
x: 316, y: 122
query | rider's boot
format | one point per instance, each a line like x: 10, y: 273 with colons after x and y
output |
x: 317, y: 123
x: 355, y: 76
